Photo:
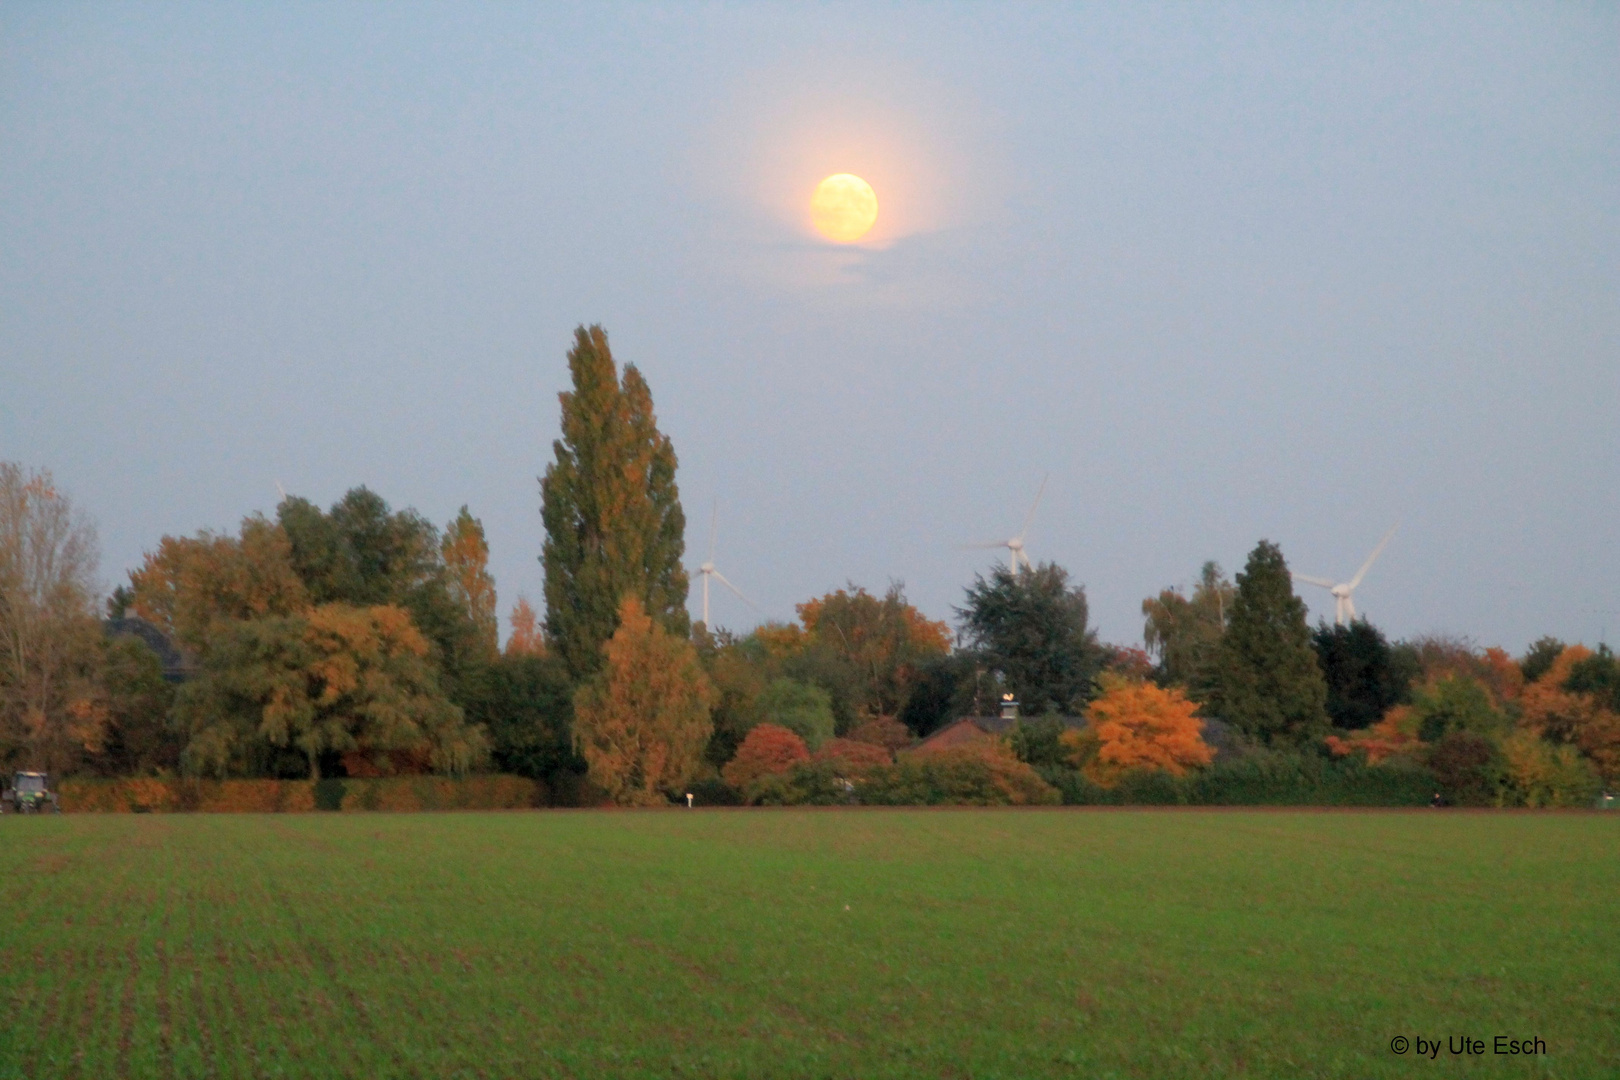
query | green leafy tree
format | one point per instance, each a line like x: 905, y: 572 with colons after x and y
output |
x: 1598, y: 675
x: 1365, y: 678
x: 799, y: 707
x: 365, y: 554
x: 1185, y: 632
x: 612, y: 512
x: 1030, y: 627
x: 140, y: 740
x: 333, y: 680
x: 525, y: 702
x: 1266, y: 680
x: 1456, y: 703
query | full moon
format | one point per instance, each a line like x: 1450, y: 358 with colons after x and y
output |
x: 843, y: 208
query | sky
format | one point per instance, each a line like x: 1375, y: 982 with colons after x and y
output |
x: 1224, y: 273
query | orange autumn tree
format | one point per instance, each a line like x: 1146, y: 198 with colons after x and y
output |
x: 1134, y: 724
x: 768, y: 750
x: 527, y: 638
x: 642, y: 721
x: 882, y: 643
x: 1552, y: 711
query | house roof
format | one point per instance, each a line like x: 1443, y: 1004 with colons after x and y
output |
x: 992, y: 725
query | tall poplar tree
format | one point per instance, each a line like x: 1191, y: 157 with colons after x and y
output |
x: 1266, y: 680
x: 612, y: 513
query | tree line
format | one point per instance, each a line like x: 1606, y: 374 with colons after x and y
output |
x: 361, y: 640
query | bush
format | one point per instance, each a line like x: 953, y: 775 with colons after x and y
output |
x: 852, y: 758
x: 715, y: 792
x: 815, y: 783
x: 1468, y: 767
x: 1538, y: 774
x: 975, y: 775
x: 768, y: 749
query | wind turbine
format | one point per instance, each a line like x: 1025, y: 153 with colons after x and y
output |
x: 707, y: 570
x: 1344, y: 609
x: 1015, y: 546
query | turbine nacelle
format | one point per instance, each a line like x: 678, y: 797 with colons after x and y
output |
x: 1343, y: 592
x: 1015, y: 546
x: 707, y: 570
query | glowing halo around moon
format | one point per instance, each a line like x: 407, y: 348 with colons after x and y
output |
x: 844, y: 208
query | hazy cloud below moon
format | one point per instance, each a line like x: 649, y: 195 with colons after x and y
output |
x: 1226, y: 273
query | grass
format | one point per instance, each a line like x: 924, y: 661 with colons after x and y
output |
x: 972, y: 943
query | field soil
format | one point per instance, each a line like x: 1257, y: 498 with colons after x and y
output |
x: 803, y: 943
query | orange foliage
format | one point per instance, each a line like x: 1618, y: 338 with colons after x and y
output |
x: 768, y: 750
x: 1016, y: 783
x: 527, y: 638
x: 1502, y: 675
x: 1142, y: 726
x: 885, y: 731
x: 781, y: 640
x: 191, y: 582
x: 641, y: 723
x: 1395, y: 734
x: 882, y: 639
x: 852, y: 757
x: 1551, y: 712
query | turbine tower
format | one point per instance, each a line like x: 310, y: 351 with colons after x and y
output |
x: 1015, y: 546
x: 707, y: 570
x: 1344, y: 604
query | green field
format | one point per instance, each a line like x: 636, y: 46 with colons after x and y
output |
x: 959, y: 943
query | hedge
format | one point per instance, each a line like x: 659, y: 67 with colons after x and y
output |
x: 1260, y: 780
x: 397, y: 793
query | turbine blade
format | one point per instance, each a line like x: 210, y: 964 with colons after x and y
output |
x: 722, y: 579
x: 1029, y: 517
x: 1377, y: 551
x: 1324, y: 582
x: 714, y: 527
x: 985, y: 546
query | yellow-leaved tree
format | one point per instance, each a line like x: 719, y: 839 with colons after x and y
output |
x: 641, y: 722
x: 466, y: 562
x: 1134, y: 724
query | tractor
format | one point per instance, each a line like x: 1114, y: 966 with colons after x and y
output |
x: 29, y: 793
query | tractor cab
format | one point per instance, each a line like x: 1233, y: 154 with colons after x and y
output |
x: 29, y: 793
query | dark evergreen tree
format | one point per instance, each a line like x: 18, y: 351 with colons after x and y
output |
x: 1539, y: 657
x: 612, y: 513
x: 1363, y: 678
x: 1266, y: 682
x: 1030, y: 627
x: 944, y: 692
